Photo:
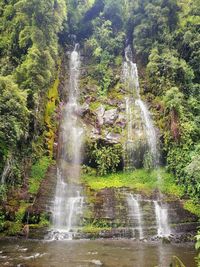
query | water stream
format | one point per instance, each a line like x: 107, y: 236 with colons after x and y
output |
x: 134, y: 103
x: 68, y: 202
x: 161, y: 219
x: 136, y: 215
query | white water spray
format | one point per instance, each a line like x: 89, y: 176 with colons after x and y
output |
x: 161, y: 219
x: 131, y: 80
x: 68, y: 202
x: 136, y: 214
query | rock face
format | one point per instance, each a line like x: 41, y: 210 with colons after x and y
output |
x: 105, y: 121
x: 113, y: 138
x: 100, y: 115
x: 110, y: 116
x: 110, y: 207
x: 103, y: 125
x: 109, y: 211
x: 43, y: 200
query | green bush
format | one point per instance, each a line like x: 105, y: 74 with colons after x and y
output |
x: 3, y: 190
x: 14, y: 228
x: 107, y: 158
x: 44, y: 220
x: 193, y: 207
x: 38, y: 172
x: 2, y: 221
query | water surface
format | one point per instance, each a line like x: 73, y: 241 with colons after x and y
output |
x: 88, y: 253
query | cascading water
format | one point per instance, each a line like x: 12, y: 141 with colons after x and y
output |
x: 130, y: 77
x: 68, y: 202
x: 131, y: 80
x: 7, y: 169
x: 136, y: 214
x: 150, y: 131
x: 161, y: 219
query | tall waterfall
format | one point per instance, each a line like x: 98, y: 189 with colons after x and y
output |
x: 134, y: 102
x: 130, y: 77
x: 68, y: 202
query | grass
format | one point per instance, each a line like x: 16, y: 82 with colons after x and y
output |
x: 93, y: 229
x: 96, y: 226
x: 140, y: 180
x: 192, y: 207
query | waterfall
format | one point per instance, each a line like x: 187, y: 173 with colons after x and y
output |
x: 134, y: 101
x: 68, y: 202
x: 150, y: 131
x: 131, y: 80
x: 161, y: 219
x: 136, y: 214
x: 7, y: 169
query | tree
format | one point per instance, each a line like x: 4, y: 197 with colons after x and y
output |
x: 13, y: 118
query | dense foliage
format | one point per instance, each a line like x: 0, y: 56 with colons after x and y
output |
x: 28, y: 59
x: 165, y: 37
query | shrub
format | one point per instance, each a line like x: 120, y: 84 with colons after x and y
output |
x: 37, y: 174
x: 107, y: 158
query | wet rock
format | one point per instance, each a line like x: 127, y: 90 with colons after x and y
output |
x: 121, y: 121
x: 122, y: 107
x: 43, y: 199
x: 112, y: 102
x: 100, y: 111
x: 84, y: 109
x: 166, y: 240
x: 89, y: 99
x: 113, y: 138
x: 110, y: 116
x: 95, y: 133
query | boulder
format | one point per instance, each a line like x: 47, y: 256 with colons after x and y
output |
x: 113, y: 138
x: 110, y: 116
x: 95, y: 133
x: 121, y: 121
x: 83, y: 109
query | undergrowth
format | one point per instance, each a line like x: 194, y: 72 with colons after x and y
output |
x: 139, y: 180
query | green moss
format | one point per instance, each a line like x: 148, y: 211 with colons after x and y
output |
x: 13, y: 228
x: 115, y: 93
x: 19, y: 215
x: 2, y: 221
x: 140, y: 180
x: 38, y: 172
x: 168, y: 184
x: 93, y: 229
x: 44, y: 220
x: 3, y: 191
x: 192, y: 207
x: 53, y: 99
x: 95, y: 105
x: 118, y: 61
x: 96, y: 226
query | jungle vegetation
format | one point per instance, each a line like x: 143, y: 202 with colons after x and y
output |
x: 165, y: 37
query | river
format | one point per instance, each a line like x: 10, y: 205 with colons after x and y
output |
x: 88, y: 253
